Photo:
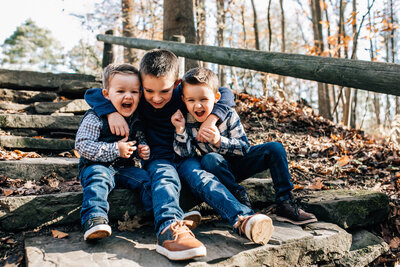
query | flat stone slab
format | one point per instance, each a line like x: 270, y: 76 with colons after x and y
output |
x: 365, y: 248
x: 74, y: 106
x: 36, y: 168
x: 39, y: 122
x: 6, y: 105
x: 23, y: 96
x: 14, y: 79
x: 22, y: 142
x: 320, y: 242
x: 29, y: 212
x: 348, y: 208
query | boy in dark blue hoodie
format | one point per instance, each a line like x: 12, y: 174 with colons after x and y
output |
x: 162, y: 98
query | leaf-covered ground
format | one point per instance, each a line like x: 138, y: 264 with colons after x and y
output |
x: 322, y: 155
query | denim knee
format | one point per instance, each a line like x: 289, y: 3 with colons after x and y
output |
x: 276, y: 148
x: 211, y: 161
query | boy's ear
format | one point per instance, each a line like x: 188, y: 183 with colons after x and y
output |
x: 183, y: 98
x: 217, y: 97
x: 105, y: 93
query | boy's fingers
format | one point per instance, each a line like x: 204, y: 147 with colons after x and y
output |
x: 124, y: 139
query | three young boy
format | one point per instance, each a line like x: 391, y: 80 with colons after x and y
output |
x: 162, y: 98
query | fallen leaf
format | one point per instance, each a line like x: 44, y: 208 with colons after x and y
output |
x: 343, y: 161
x: 317, y: 186
x: 395, y: 243
x: 40, y: 137
x: 298, y: 187
x: 76, y: 153
x: 7, y: 192
x: 58, y: 234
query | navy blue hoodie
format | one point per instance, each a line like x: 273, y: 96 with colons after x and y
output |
x: 157, y: 123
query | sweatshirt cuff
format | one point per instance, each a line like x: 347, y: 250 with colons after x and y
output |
x: 224, y: 147
x: 181, y: 138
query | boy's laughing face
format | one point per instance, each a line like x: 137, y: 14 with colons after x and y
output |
x: 158, y: 90
x: 124, y: 93
x: 199, y: 100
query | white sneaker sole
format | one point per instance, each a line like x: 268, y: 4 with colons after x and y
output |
x: 259, y: 229
x: 98, y: 232
x: 182, y: 255
x: 193, y: 216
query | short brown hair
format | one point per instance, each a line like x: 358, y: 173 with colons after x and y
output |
x: 201, y: 75
x: 159, y: 63
x: 112, y: 69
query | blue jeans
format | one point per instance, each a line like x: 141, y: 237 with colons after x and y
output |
x: 98, y: 180
x: 231, y: 170
x: 166, y: 186
x: 208, y: 188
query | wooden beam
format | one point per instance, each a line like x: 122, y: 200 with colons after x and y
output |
x: 372, y: 76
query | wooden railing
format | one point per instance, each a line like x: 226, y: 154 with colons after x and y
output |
x: 372, y: 76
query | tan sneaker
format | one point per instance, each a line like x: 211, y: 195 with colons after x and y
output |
x: 177, y: 242
x: 258, y: 228
x: 192, y: 219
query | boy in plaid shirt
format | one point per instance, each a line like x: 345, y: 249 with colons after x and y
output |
x: 227, y: 153
x: 107, y: 159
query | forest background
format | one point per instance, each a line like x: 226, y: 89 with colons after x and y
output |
x: 356, y: 29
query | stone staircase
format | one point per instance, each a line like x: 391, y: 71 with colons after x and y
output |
x: 41, y: 112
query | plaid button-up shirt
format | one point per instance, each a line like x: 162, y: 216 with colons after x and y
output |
x: 233, y: 138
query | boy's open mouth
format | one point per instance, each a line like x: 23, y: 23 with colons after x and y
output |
x: 199, y: 113
x: 126, y: 105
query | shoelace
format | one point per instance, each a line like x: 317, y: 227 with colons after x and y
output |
x: 179, y: 227
x: 295, y: 204
x: 241, y: 222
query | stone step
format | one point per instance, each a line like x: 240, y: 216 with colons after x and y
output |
x: 77, y: 106
x: 18, y: 121
x: 348, y: 208
x: 36, y: 168
x: 318, y: 243
x: 26, y: 97
x: 29, y: 212
x: 32, y: 80
x: 31, y: 143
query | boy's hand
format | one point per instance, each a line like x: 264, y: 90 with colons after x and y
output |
x: 178, y: 121
x: 144, y: 152
x: 126, y: 148
x: 118, y: 124
x: 209, y: 122
x: 211, y: 135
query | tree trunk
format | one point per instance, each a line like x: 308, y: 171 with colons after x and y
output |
x: 179, y: 20
x: 282, y: 79
x: 323, y: 94
x: 221, y: 18
x: 130, y: 55
x: 269, y: 26
x: 255, y: 25
x: 200, y: 8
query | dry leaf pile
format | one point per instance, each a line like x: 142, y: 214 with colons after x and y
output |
x: 323, y: 155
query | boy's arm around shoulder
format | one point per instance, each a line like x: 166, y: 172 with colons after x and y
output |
x: 227, y: 101
x: 234, y: 141
x: 88, y: 145
x: 95, y: 99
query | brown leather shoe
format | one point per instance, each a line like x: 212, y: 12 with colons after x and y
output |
x: 258, y: 228
x: 177, y: 242
x: 289, y: 211
x: 192, y: 219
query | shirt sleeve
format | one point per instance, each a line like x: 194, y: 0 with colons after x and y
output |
x: 183, y: 145
x: 95, y: 99
x: 88, y: 145
x: 222, y: 107
x: 237, y: 143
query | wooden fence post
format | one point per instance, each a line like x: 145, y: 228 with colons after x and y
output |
x: 180, y: 39
x: 108, y: 54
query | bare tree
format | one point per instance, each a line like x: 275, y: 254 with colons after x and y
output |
x: 179, y: 20
x: 323, y: 93
x: 128, y: 7
x: 269, y: 26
